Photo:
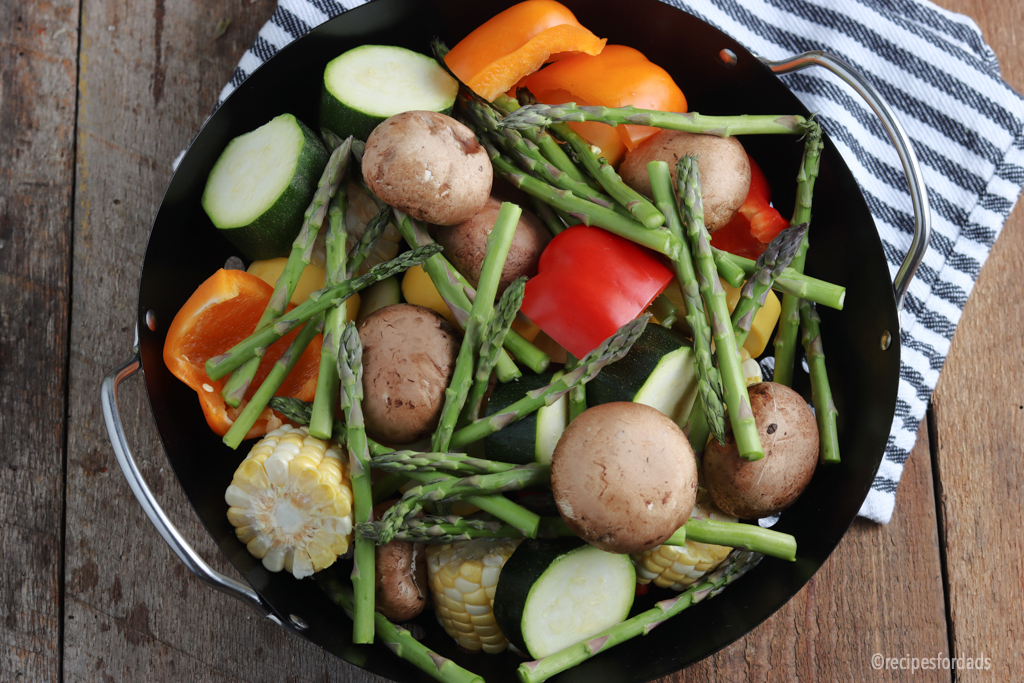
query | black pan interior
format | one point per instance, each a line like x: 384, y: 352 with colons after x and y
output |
x: 184, y: 249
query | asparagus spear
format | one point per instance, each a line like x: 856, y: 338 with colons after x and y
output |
x: 300, y: 412
x: 434, y: 529
x: 445, y: 489
x: 415, y: 461
x: 789, y: 281
x: 549, y: 216
x: 578, y: 394
x: 547, y: 115
x: 736, y: 565
x: 789, y: 318
x: 821, y: 393
x: 490, y: 347
x: 302, y: 248
x: 774, y: 260
x: 251, y: 412
x: 318, y: 301
x: 549, y: 147
x: 664, y: 310
x: 741, y: 417
x: 583, y: 211
x: 457, y: 292
x: 371, y: 235
x: 321, y: 423
x: 598, y: 167
x: 709, y: 382
x: 398, y: 639
x: 610, y: 350
x: 350, y: 370
x: 499, y: 240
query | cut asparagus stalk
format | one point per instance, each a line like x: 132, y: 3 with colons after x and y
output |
x: 350, y: 370
x: 788, y: 282
x: 821, y: 393
x: 598, y: 167
x: 709, y: 383
x: 736, y: 565
x: 789, y: 318
x: 321, y: 422
x: 499, y: 240
x: 514, y: 479
x: 302, y: 249
x: 318, y: 302
x: 251, y: 412
x: 547, y: 115
x: 398, y: 639
x: 550, y: 217
x: 578, y: 394
x: 456, y: 292
x: 741, y: 417
x: 493, y: 340
x: 609, y: 351
x: 770, y: 264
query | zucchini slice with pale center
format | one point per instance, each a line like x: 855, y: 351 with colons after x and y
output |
x: 258, y: 190
x: 552, y: 594
x: 370, y: 83
x: 533, y: 438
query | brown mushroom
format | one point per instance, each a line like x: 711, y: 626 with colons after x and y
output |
x: 401, y: 576
x: 765, y: 487
x: 409, y: 355
x: 428, y: 165
x: 723, y: 164
x: 624, y: 477
x: 466, y: 243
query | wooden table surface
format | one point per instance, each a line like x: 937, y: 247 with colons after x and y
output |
x: 96, y: 98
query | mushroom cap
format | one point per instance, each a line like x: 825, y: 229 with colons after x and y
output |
x: 400, y: 580
x: 428, y: 165
x: 789, y: 436
x: 624, y: 477
x: 409, y: 355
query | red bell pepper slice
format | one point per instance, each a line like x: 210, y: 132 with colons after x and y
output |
x: 589, y: 284
x: 756, y: 223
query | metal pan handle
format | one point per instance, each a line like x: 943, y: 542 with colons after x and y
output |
x: 181, y: 548
x: 911, y: 167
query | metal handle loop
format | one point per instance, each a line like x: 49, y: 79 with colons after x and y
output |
x: 181, y: 548
x: 911, y: 167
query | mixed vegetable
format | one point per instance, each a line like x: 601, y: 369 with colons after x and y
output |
x: 483, y: 357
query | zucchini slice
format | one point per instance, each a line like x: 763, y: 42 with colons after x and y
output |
x: 552, y: 594
x: 367, y: 84
x: 258, y: 190
x: 658, y: 371
x: 532, y: 439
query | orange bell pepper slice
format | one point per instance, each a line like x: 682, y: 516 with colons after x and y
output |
x: 617, y: 77
x: 516, y: 43
x: 223, y: 311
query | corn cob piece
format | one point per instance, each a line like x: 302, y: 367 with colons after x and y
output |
x: 463, y: 577
x: 677, y: 567
x: 291, y: 502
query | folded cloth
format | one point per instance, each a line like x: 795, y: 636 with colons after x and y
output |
x: 934, y: 68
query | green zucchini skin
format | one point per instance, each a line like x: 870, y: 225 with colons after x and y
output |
x: 525, y: 571
x: 271, y: 234
x: 515, y: 443
x: 343, y: 117
x: 660, y: 362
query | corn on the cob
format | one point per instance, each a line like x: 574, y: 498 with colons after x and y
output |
x: 291, y: 502
x: 463, y: 577
x: 750, y: 367
x: 677, y: 567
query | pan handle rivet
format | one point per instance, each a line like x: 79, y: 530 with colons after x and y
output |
x: 298, y: 622
x: 886, y: 340
x: 728, y: 57
x: 151, y: 321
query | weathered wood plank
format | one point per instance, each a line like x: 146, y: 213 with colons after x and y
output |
x: 879, y: 592
x: 979, y: 424
x: 38, y: 63
x: 150, y: 73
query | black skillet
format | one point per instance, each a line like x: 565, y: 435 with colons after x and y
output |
x: 719, y: 77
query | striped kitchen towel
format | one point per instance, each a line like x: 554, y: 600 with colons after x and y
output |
x: 943, y: 81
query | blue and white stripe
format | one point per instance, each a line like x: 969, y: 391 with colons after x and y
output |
x: 934, y: 68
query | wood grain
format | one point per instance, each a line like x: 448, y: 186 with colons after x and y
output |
x: 38, y: 60
x: 979, y: 425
